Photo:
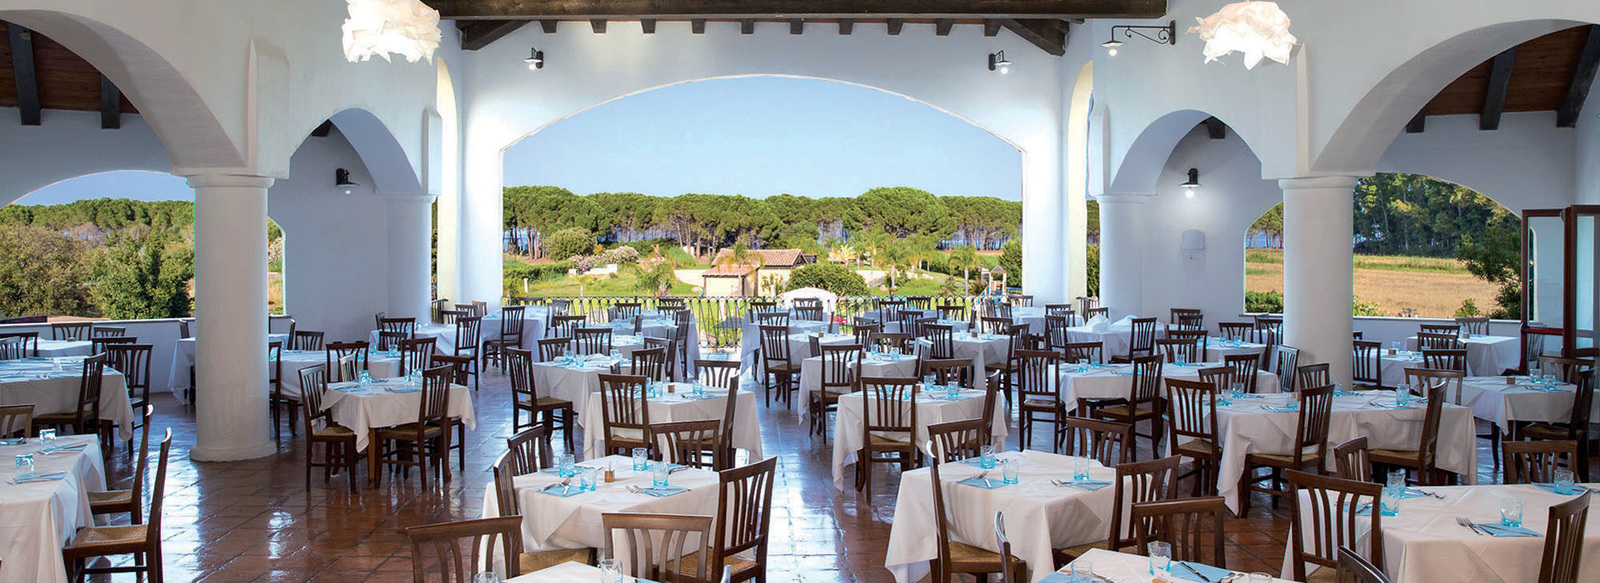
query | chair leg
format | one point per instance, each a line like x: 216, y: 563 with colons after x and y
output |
x: 566, y: 428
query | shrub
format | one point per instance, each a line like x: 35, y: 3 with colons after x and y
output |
x: 1092, y: 270
x: 566, y: 243
x: 1270, y: 302
x: 619, y: 256
x: 1011, y: 259
x: 829, y: 276
x: 1468, y: 309
x: 1360, y: 308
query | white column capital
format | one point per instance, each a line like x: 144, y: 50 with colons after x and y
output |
x: 1319, y: 183
x: 222, y: 180
x: 1124, y: 198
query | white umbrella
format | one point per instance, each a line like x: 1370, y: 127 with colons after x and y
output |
x: 828, y: 298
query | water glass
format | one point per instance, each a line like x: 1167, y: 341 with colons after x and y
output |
x: 641, y: 459
x: 486, y: 577
x: 1082, y: 572
x: 610, y: 571
x: 1394, y: 346
x: 1259, y: 577
x: 24, y: 466
x: 1011, y: 471
x: 616, y: 355
x: 47, y: 439
x: 1389, y: 501
x: 1511, y: 512
x: 1402, y: 396
x: 1160, y: 557
x: 1397, y: 479
x: 1564, y: 482
x: 364, y: 378
x: 699, y: 390
x: 659, y: 474
x: 1338, y: 389
x: 953, y: 391
x: 587, y: 479
x: 566, y: 465
x: 1080, y: 469
x: 986, y: 457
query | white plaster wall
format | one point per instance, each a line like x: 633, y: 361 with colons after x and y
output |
x: 1527, y: 163
x: 505, y: 102
x: 1231, y: 197
x: 336, y: 251
x: 69, y: 144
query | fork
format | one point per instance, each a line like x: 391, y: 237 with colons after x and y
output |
x: 1462, y: 520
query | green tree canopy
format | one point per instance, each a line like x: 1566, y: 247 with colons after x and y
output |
x: 829, y: 276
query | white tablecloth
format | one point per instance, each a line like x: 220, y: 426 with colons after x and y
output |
x: 1116, y: 566
x: 750, y: 338
x: 984, y: 350
x: 52, y: 348
x: 1114, y: 340
x: 1116, y: 380
x: 568, y: 572
x: 1491, y: 399
x: 1486, y: 355
x: 1423, y: 542
x: 932, y: 409
x: 897, y: 365
x: 363, y: 409
x: 1247, y: 426
x: 38, y: 519
x: 576, y: 382
x: 380, y: 365
x: 183, y: 358
x: 1217, y: 349
x: 52, y: 386
x: 1039, y: 515
x: 553, y: 522
x: 1394, y: 366
x: 679, y: 406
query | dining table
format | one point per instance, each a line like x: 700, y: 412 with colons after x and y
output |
x: 578, y: 378
x: 53, y: 384
x: 1504, y: 400
x: 568, y: 572
x: 1107, y: 381
x: 1423, y: 540
x: 379, y: 364
x: 387, y: 403
x: 1046, y: 509
x: 681, y: 403
x: 51, y: 348
x: 40, y: 516
x: 750, y: 335
x: 1108, y: 566
x: 1486, y: 355
x: 872, y: 364
x: 183, y: 359
x: 934, y: 406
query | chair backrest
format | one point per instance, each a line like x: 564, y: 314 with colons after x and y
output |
x: 136, y: 490
x: 1565, y: 369
x: 76, y: 331
x: 133, y: 361
x: 1245, y: 367
x: 442, y: 545
x: 460, y: 366
x: 1445, y: 358
x: 1191, y: 412
x: 650, y: 363
x: 24, y: 344
x: 954, y: 441
x: 718, y: 373
x: 94, y: 370
x: 390, y: 340
x: 306, y: 340
x: 941, y: 524
x: 1351, y: 461
x: 1234, y: 330
x: 338, y: 353
x: 864, y: 331
x: 103, y: 343
x: 407, y: 326
x: 1143, y: 337
x: 1008, y: 561
x: 1084, y: 352
x: 469, y: 329
x: 942, y: 338
x: 505, y: 488
x: 1315, y: 375
x: 695, y: 443
x: 1183, y: 350
x: 1139, y: 482
x: 1102, y: 311
x: 808, y: 313
x: 158, y: 494
x: 1353, y: 568
x: 1325, y: 518
x: 434, y: 406
x: 1367, y: 367
x: 951, y: 371
x: 1039, y: 374
x: 519, y: 366
x: 888, y: 404
x: 839, y: 362
x: 953, y: 313
x: 1146, y: 385
x: 1529, y: 462
x: 624, y: 404
x: 313, y: 385
x: 1582, y: 406
x: 1108, y: 442
x: 553, y: 348
x: 107, y: 331
x: 1286, y: 359
x: 994, y: 324
x: 511, y: 322
x: 416, y: 354
x: 1316, y: 417
x: 774, y: 343
x: 530, y: 451
x: 1427, y: 340
x: 1563, y: 540
x: 744, y: 512
x: 657, y: 543
x: 892, y: 341
x: 1187, y: 524
x: 1441, y: 329
x: 449, y: 317
x: 1218, y: 377
x: 564, y: 325
x: 16, y: 420
x: 626, y: 310
x: 592, y: 340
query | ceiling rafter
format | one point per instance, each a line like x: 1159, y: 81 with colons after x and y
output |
x: 1582, y: 79
x: 680, y: 9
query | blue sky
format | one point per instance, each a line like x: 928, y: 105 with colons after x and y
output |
x: 753, y: 136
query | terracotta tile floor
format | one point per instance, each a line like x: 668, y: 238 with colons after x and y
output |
x: 254, y: 521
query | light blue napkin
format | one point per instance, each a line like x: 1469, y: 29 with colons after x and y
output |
x: 563, y: 492
x: 990, y: 484
x: 662, y: 492
x: 1508, y: 531
x: 1091, y: 485
x: 1551, y: 487
x: 1210, y: 572
x: 36, y: 478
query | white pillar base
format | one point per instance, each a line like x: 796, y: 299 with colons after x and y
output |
x: 1122, y: 234
x: 410, y: 284
x: 1318, y: 271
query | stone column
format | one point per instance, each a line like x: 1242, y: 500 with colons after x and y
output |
x: 1044, y: 229
x: 230, y: 265
x: 1122, y: 238
x: 410, y: 261
x: 1318, y: 271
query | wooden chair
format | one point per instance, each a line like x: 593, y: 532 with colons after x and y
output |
x: 864, y: 332
x: 565, y: 325
x: 440, y: 545
x: 744, y: 519
x: 1179, y: 350
x: 1529, y: 462
x: 718, y: 373
x: 16, y: 420
x: 953, y: 441
x: 1285, y: 361
x: 416, y: 354
x: 306, y: 340
x: 592, y: 340
x: 994, y: 324
x: 641, y: 535
x: 1084, y: 353
x: 1012, y: 570
x: 1422, y: 459
x: 696, y: 443
x: 808, y: 313
x: 1563, y: 540
x: 1055, y: 331
x: 512, y: 319
x: 14, y: 345
x: 449, y: 317
x: 778, y: 369
x: 1326, y: 520
x: 1239, y: 331
x: 505, y: 469
x: 941, y: 339
x: 1367, y: 369
x: 1453, y: 330
x: 549, y: 412
x: 71, y: 331
x: 416, y: 443
x: 86, y: 418
x: 1439, y: 341
x: 669, y: 350
x: 133, y: 361
x: 130, y: 500
x: 338, y: 443
x: 1476, y: 326
x: 143, y: 541
x: 469, y: 330
x: 953, y: 313
x: 1566, y: 370
x: 893, y: 342
x: 1039, y: 391
x: 1217, y: 377
x: 950, y: 371
x: 626, y: 310
x: 1445, y: 358
x: 354, y: 353
x: 1107, y: 442
x: 107, y: 332
x: 889, y: 422
x: 104, y: 343
x: 1143, y: 401
x: 1310, y: 449
x: 1314, y: 375
x: 954, y: 557
x: 840, y: 363
x: 553, y: 348
x: 1353, y: 568
x: 1245, y: 368
x: 1011, y: 365
x: 1090, y: 313
x: 405, y: 326
x: 1192, y: 418
x: 1136, y: 483
x: 279, y: 402
x: 1187, y: 524
x: 1575, y: 429
x: 1143, y: 339
x: 461, y: 366
x: 529, y: 451
x: 389, y: 341
x: 650, y: 363
x: 625, y: 409
x: 1351, y: 461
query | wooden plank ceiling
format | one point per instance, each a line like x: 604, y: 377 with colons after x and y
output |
x: 1041, y: 22
x: 62, y: 79
x: 1549, y: 73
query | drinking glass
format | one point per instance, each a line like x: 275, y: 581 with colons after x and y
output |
x: 1402, y: 396
x: 566, y: 465
x: 1080, y: 469
x: 1564, y: 481
x: 610, y: 571
x: 1011, y: 471
x: 953, y: 391
x: 659, y: 474
x: 1259, y: 577
x: 47, y: 439
x: 1397, y: 479
x: 1338, y: 389
x: 1160, y: 557
x: 24, y: 466
x: 1395, y: 346
x: 927, y: 381
x: 364, y: 379
x: 1389, y: 501
x: 641, y: 459
x: 616, y: 355
x: 986, y: 457
x: 1511, y: 512
x: 587, y: 479
x: 486, y: 577
x: 1235, y: 389
x: 1082, y: 572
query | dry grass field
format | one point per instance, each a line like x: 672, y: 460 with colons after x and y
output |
x: 1434, y: 287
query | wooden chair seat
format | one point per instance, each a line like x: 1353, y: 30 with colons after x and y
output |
x: 741, y: 565
x: 964, y: 557
x: 408, y: 431
x: 1323, y: 575
x: 1197, y: 448
x: 55, y: 419
x: 531, y: 562
x: 1537, y: 431
x: 1282, y: 460
x: 885, y: 441
x: 783, y: 368
x: 109, y: 501
x: 107, y: 540
x: 545, y: 403
x: 1041, y: 404
x: 1393, y: 456
x: 1124, y: 411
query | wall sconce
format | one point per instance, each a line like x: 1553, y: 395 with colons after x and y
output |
x: 342, y: 182
x: 997, y: 61
x: 1166, y: 35
x: 1191, y: 184
x: 535, y: 59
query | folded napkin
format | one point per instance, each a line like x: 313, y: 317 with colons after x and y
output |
x: 14, y: 441
x: 987, y: 484
x: 356, y: 389
x: 1091, y: 485
x: 1414, y: 493
x: 1503, y: 530
x: 1551, y: 487
x: 1097, y: 323
x: 403, y: 390
x: 36, y: 478
x: 561, y: 491
x: 65, y: 448
x: 1279, y: 409
x: 661, y: 492
x: 1200, y: 572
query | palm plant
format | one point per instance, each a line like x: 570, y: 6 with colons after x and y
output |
x: 965, y: 258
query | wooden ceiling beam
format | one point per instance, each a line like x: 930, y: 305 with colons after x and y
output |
x: 1049, y: 35
x: 110, y: 105
x: 846, y: 26
x: 1418, y: 123
x: 943, y: 25
x: 664, y: 9
x: 896, y: 25
x: 598, y: 25
x: 549, y: 26
x: 477, y: 34
x: 1215, y: 129
x: 991, y: 27
x: 797, y: 26
x: 648, y: 25
x: 697, y: 25
x: 1582, y: 79
x: 1494, y: 98
x: 27, y: 76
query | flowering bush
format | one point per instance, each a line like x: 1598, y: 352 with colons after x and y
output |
x: 620, y: 255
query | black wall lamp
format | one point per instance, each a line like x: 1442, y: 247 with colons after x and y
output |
x: 1193, y: 183
x: 1166, y: 35
x: 535, y: 59
x: 342, y: 181
x: 998, y: 62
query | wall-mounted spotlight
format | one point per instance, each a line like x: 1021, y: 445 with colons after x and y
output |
x: 1193, y: 183
x: 342, y: 182
x: 1166, y: 35
x: 535, y: 59
x: 997, y: 61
